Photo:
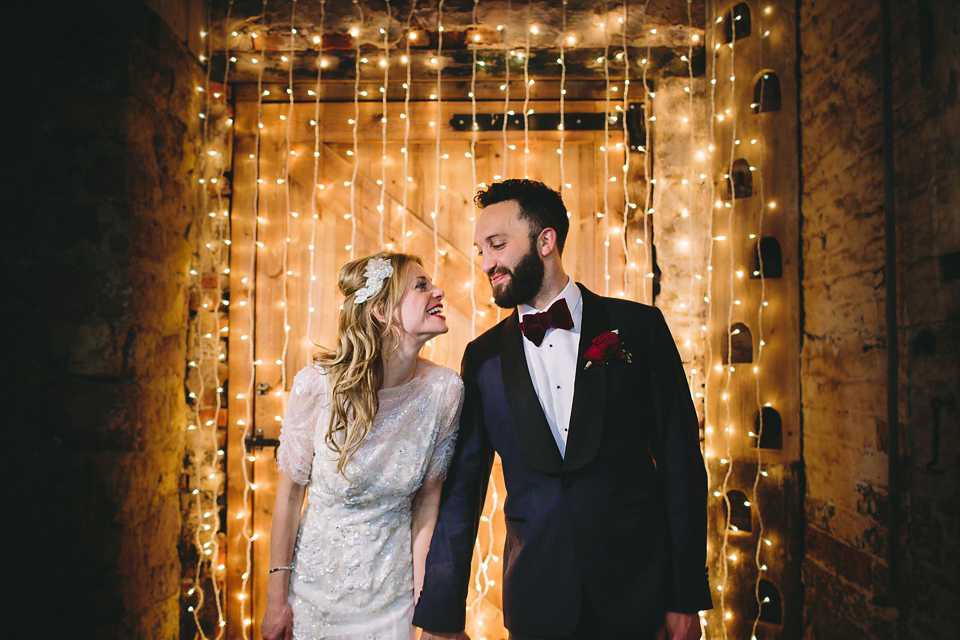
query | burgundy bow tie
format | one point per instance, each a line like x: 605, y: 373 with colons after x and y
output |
x: 534, y: 325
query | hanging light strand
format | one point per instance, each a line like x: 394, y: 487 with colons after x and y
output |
x: 526, y: 92
x: 711, y: 435
x: 383, y: 124
x: 247, y: 513
x: 754, y: 496
x: 439, y: 125
x: 606, y: 154
x: 686, y: 214
x: 473, y: 174
x: 288, y: 213
x: 405, y: 150
x: 626, y: 153
x: 731, y: 233
x: 198, y: 446
x: 312, y: 247
x: 506, y: 97
x: 356, y: 145
x: 220, y: 242
x: 647, y: 164
x: 563, y: 95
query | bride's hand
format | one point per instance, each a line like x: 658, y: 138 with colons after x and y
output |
x: 277, y: 621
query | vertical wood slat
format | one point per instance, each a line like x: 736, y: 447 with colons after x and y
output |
x: 240, y: 366
x: 270, y: 282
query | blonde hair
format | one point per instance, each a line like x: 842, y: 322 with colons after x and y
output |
x: 355, y: 367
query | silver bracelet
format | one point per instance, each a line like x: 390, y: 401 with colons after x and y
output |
x: 290, y: 568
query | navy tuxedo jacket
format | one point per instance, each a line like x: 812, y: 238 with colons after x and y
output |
x: 621, y: 515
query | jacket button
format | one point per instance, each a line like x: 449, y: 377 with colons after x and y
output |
x: 566, y: 483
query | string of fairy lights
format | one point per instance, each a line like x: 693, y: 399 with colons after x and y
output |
x: 605, y: 214
x: 212, y: 239
x: 648, y: 180
x: 405, y: 116
x: 355, y: 125
x: 438, y: 128
x: 729, y: 118
x: 720, y: 381
x: 385, y: 63
x: 625, y: 218
x: 316, y: 187
x: 760, y: 472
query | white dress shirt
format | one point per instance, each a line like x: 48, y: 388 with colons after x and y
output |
x: 553, y: 365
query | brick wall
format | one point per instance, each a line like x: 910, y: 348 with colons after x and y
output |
x: 99, y: 238
x: 843, y: 358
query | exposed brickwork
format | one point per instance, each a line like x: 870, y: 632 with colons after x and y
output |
x: 844, y: 353
x: 101, y: 244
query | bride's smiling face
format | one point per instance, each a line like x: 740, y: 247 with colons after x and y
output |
x: 420, y: 312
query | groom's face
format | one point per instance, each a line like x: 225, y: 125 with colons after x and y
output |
x: 507, y: 254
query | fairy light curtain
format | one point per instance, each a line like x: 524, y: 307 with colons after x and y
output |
x: 319, y: 174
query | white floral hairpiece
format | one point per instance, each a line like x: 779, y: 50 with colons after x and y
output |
x: 377, y: 270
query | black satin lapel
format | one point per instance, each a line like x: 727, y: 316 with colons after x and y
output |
x: 590, y: 388
x: 534, y: 437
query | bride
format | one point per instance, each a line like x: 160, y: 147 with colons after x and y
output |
x: 368, y: 434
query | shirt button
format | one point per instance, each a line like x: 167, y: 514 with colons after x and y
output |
x: 558, y: 386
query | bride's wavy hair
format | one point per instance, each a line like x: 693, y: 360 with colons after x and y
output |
x: 355, y: 367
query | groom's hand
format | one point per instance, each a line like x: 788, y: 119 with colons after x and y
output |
x: 680, y: 626
x: 430, y: 635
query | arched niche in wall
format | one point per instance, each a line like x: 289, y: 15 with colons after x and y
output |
x: 768, y: 429
x: 740, y: 180
x: 767, y: 259
x: 740, y: 348
x: 740, y: 518
x: 771, y: 604
x: 736, y: 23
x: 766, y: 92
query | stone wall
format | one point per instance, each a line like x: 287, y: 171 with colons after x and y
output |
x: 99, y: 238
x: 843, y: 358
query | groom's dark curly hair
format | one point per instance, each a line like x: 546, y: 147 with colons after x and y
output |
x: 539, y: 204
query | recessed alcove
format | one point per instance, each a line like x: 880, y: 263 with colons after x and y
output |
x: 736, y: 23
x: 770, y: 603
x: 766, y: 92
x: 740, y: 517
x: 740, y: 180
x: 740, y: 347
x: 767, y: 260
x: 768, y: 429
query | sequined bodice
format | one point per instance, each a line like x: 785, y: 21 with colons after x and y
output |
x: 354, y: 567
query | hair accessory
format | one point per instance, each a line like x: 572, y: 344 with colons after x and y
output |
x: 378, y: 270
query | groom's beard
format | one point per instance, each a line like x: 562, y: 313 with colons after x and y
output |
x: 526, y: 278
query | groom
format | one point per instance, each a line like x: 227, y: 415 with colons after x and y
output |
x: 606, y: 489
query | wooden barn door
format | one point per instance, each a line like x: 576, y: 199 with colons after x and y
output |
x: 303, y: 205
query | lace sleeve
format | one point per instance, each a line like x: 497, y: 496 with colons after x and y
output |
x: 448, y: 421
x: 295, y: 453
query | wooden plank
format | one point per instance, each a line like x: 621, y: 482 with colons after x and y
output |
x: 239, y: 362
x: 270, y: 287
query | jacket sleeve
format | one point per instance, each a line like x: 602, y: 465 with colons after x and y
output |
x: 442, y: 603
x: 680, y: 467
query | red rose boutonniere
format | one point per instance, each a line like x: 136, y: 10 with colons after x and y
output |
x: 606, y: 348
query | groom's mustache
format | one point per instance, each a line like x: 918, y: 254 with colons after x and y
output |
x: 499, y: 271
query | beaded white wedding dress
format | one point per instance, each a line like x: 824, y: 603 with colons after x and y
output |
x: 353, y: 576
